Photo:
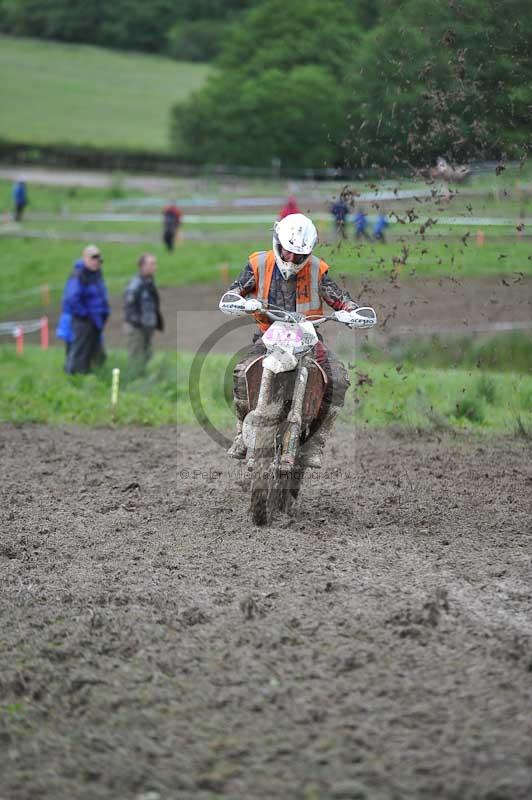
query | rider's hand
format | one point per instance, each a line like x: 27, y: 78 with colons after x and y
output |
x: 253, y: 305
x: 343, y: 316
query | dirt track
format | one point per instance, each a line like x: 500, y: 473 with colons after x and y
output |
x: 404, y: 307
x: 155, y: 645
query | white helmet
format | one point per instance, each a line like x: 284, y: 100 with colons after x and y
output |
x: 297, y: 234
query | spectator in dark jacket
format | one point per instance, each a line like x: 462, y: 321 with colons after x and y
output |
x: 340, y: 210
x: 86, y: 299
x: 20, y: 199
x: 142, y: 312
x: 171, y: 223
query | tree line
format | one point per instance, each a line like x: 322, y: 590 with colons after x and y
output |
x: 188, y: 30
x: 353, y: 84
x: 319, y: 83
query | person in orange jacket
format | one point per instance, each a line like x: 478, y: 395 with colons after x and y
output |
x: 290, y: 277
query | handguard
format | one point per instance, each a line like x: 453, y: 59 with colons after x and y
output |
x: 363, y: 317
x: 236, y: 305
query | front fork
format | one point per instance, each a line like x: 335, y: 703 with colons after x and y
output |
x: 266, y: 414
x: 294, y: 420
x: 261, y: 415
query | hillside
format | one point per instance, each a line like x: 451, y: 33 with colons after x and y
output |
x: 77, y: 94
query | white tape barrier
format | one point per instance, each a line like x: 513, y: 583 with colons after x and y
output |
x: 26, y: 326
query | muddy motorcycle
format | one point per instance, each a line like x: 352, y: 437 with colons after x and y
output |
x: 285, y: 390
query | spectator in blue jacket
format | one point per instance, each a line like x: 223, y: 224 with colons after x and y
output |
x: 361, y: 224
x: 340, y: 210
x: 379, y: 228
x: 86, y: 299
x: 64, y: 325
x: 20, y: 198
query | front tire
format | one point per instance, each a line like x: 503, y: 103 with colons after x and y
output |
x: 264, y: 475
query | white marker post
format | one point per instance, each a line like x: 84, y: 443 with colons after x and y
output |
x: 114, y: 391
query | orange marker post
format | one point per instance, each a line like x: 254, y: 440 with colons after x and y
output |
x: 44, y: 333
x: 480, y: 238
x: 19, y: 339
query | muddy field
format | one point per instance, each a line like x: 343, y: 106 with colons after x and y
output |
x: 156, y: 646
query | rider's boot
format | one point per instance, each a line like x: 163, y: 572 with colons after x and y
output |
x: 310, y: 453
x: 238, y: 449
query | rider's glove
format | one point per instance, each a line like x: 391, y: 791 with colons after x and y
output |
x: 343, y: 316
x: 253, y: 305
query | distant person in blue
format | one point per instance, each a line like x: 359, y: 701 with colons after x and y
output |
x: 379, y: 228
x: 340, y: 210
x: 86, y: 300
x: 361, y: 224
x: 20, y: 198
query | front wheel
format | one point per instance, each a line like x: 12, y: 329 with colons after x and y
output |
x: 289, y: 486
x: 265, y: 474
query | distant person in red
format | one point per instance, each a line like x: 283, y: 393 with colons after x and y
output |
x: 291, y: 207
x: 171, y: 222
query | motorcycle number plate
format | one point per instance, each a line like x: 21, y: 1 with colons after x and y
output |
x: 283, y: 333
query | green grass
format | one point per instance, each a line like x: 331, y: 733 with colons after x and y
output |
x: 54, y: 93
x: 504, y: 352
x: 430, y: 398
x: 70, y: 199
x: 36, y: 390
x: 27, y: 264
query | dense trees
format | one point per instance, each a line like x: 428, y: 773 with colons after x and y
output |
x: 336, y: 82
x: 187, y: 30
x: 458, y: 81
x: 282, y: 89
x: 394, y: 82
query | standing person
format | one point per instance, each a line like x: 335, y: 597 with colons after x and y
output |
x: 142, y: 313
x: 291, y: 207
x: 380, y: 227
x: 291, y: 278
x: 339, y: 210
x: 20, y: 198
x: 361, y: 224
x: 64, y: 325
x: 171, y: 222
x: 86, y: 299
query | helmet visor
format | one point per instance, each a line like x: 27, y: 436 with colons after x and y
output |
x: 293, y: 258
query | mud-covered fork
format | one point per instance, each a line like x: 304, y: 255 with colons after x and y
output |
x: 294, y: 419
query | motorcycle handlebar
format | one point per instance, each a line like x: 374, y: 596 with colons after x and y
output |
x: 276, y: 314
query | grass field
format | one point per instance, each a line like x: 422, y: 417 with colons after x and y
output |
x: 36, y: 390
x: 27, y: 264
x: 54, y: 93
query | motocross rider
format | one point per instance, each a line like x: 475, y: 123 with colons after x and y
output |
x: 291, y: 278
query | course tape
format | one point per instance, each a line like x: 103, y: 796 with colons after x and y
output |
x: 27, y: 326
